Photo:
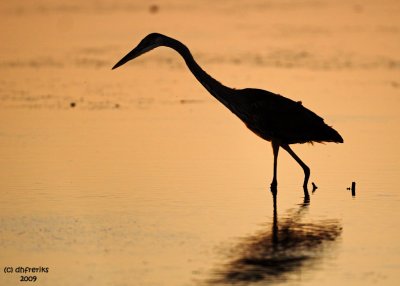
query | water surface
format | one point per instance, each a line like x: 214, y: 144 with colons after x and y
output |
x: 139, y: 177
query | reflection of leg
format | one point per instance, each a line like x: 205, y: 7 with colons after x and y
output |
x: 301, y: 163
x: 275, y: 149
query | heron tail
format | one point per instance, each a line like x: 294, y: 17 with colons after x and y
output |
x: 331, y: 135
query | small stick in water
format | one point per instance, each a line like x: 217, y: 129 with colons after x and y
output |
x: 353, y: 189
x: 314, y: 187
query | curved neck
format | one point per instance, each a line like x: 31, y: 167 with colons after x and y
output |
x: 218, y: 90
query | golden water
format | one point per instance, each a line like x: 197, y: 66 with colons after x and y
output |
x: 138, y: 176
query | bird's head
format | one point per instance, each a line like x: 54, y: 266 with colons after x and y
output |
x: 148, y: 43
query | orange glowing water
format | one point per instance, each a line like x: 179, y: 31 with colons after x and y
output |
x: 139, y: 177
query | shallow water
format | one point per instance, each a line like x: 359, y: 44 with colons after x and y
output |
x: 139, y: 177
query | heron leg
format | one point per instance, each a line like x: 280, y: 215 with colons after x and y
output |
x: 306, y: 169
x: 275, y: 149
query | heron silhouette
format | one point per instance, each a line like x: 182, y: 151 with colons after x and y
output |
x: 271, y: 116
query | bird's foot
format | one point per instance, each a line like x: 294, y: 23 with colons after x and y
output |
x: 274, y: 188
x: 306, y: 194
x: 306, y: 200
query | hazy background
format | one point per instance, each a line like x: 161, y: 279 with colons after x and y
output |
x: 138, y: 176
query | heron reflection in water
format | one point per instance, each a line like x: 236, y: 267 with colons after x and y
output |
x: 273, y: 255
x: 271, y: 116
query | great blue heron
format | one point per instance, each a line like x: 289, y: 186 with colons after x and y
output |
x: 271, y: 116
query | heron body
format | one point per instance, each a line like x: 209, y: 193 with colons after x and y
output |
x: 271, y: 116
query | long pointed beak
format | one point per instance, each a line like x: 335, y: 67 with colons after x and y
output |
x: 120, y: 63
x: 130, y: 56
x: 139, y: 50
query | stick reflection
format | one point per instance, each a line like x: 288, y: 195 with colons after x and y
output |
x: 273, y: 255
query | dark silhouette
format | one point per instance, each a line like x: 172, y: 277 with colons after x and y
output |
x: 353, y: 189
x: 271, y: 116
x: 272, y: 255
